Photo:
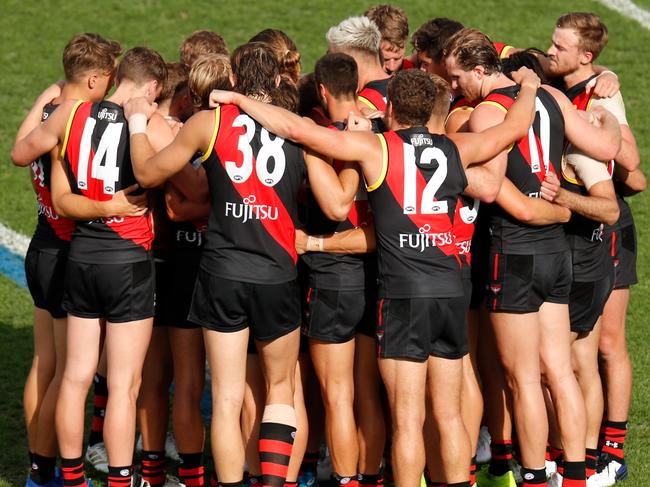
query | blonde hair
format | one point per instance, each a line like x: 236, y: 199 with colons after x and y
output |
x: 358, y: 33
x: 592, y: 33
x: 392, y: 23
x: 285, y: 51
x: 210, y: 72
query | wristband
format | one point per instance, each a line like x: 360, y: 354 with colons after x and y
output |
x: 137, y: 124
x: 315, y: 244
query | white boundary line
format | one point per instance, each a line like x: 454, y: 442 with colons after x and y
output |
x: 13, y: 241
x: 629, y: 9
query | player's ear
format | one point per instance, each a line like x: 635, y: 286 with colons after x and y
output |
x: 277, y: 80
x: 586, y: 57
x: 231, y: 77
x: 92, y: 81
x: 479, y: 72
x: 322, y: 90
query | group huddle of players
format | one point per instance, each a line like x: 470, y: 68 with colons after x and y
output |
x: 392, y: 255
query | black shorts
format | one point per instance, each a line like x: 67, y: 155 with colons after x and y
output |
x: 418, y: 328
x: 118, y: 292
x: 224, y: 305
x: 624, y: 248
x: 164, y: 295
x: 336, y: 316
x: 185, y: 268
x: 521, y: 283
x: 587, y: 301
x: 45, y: 272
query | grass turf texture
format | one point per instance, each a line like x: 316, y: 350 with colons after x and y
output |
x: 33, y: 35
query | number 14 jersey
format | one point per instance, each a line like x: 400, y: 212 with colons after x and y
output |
x: 98, y: 164
x: 413, y: 203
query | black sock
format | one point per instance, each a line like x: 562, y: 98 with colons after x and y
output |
x: 460, y: 484
x: 366, y: 479
x: 574, y: 470
x: 191, y: 469
x: 533, y: 477
x: 153, y: 467
x: 501, y: 456
x: 120, y: 476
x: 42, y: 469
x: 231, y: 484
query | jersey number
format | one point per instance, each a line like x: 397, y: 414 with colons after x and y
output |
x: 271, y: 149
x: 545, y: 138
x: 428, y: 203
x: 104, y: 163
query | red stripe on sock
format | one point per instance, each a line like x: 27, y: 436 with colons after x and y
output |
x: 274, y: 469
x: 275, y: 446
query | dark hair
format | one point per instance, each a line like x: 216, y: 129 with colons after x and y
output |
x: 308, y: 92
x: 431, y: 37
x: 175, y: 82
x: 285, y: 51
x: 338, y: 72
x: 199, y: 44
x: 414, y: 94
x: 472, y: 48
x: 286, y: 95
x: 528, y: 58
x: 255, y: 68
x: 140, y: 65
x: 89, y: 51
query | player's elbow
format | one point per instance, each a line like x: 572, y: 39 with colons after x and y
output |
x: 525, y: 215
x: 611, y: 215
x: 337, y: 213
x: 18, y: 158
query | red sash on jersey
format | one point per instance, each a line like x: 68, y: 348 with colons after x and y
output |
x: 439, y: 223
x: 373, y: 98
x: 281, y: 230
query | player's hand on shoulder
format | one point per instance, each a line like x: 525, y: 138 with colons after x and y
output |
x: 597, y: 115
x: 125, y: 203
x: 550, y: 187
x: 221, y: 97
x: 605, y: 85
x: 526, y: 77
x: 139, y: 105
x: 370, y: 113
x: 357, y: 123
x: 51, y: 92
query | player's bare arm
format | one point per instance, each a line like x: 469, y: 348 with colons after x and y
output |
x: 180, y: 209
x: 363, y: 147
x: 151, y: 169
x: 359, y: 240
x: 34, y: 116
x: 600, y: 140
x: 632, y: 182
x: 606, y: 84
x: 532, y: 211
x: 44, y: 137
x: 491, y: 140
x: 77, y: 207
x: 600, y: 205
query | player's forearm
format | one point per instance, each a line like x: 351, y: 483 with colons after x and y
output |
x: 531, y: 211
x: 604, y: 142
x: 77, y: 207
x: 148, y: 175
x: 631, y: 182
x: 355, y: 241
x: 520, y: 116
x: 274, y: 119
x: 595, y: 208
x: 192, y: 183
x: 628, y: 155
x: 334, y: 195
x: 484, y: 181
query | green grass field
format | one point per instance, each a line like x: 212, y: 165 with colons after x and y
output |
x: 33, y: 34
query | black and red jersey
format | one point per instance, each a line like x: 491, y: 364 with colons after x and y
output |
x: 98, y: 163
x: 536, y: 154
x: 413, y: 204
x: 254, y: 178
x: 406, y: 64
x: 375, y: 94
x: 331, y: 270
x: 52, y: 230
x: 189, y: 235
x: 502, y: 49
x: 585, y: 236
x: 464, y: 222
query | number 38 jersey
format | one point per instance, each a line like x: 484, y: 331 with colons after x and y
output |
x: 98, y: 164
x: 413, y: 204
x: 254, y: 178
x: 529, y: 160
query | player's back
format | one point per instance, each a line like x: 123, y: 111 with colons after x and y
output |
x: 254, y: 178
x: 529, y: 160
x: 98, y: 164
x: 375, y: 94
x: 413, y: 207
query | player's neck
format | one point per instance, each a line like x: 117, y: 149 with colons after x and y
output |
x: 372, y: 72
x: 124, y: 92
x: 339, y: 110
x: 164, y: 108
x: 494, y: 82
x: 581, y: 74
x: 75, y: 91
x: 436, y: 126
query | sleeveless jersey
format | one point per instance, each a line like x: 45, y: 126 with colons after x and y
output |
x: 375, y: 94
x: 406, y: 64
x: 328, y: 270
x: 529, y: 160
x: 254, y: 179
x: 502, y: 49
x: 413, y: 205
x: 98, y: 163
x: 585, y: 236
x: 52, y: 230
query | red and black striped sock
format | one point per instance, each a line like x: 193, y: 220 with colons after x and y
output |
x: 501, y: 456
x: 255, y: 480
x: 309, y: 462
x: 191, y: 469
x: 533, y: 477
x: 615, y: 432
x: 213, y: 480
x: 275, y: 445
x: 460, y: 484
x: 574, y: 474
x: 351, y: 481
x: 153, y: 467
x: 591, y: 461
x: 100, y: 398
x: 72, y: 470
x: 120, y: 476
x: 241, y: 483
x: 290, y: 484
x: 601, y: 434
x: 472, y: 471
